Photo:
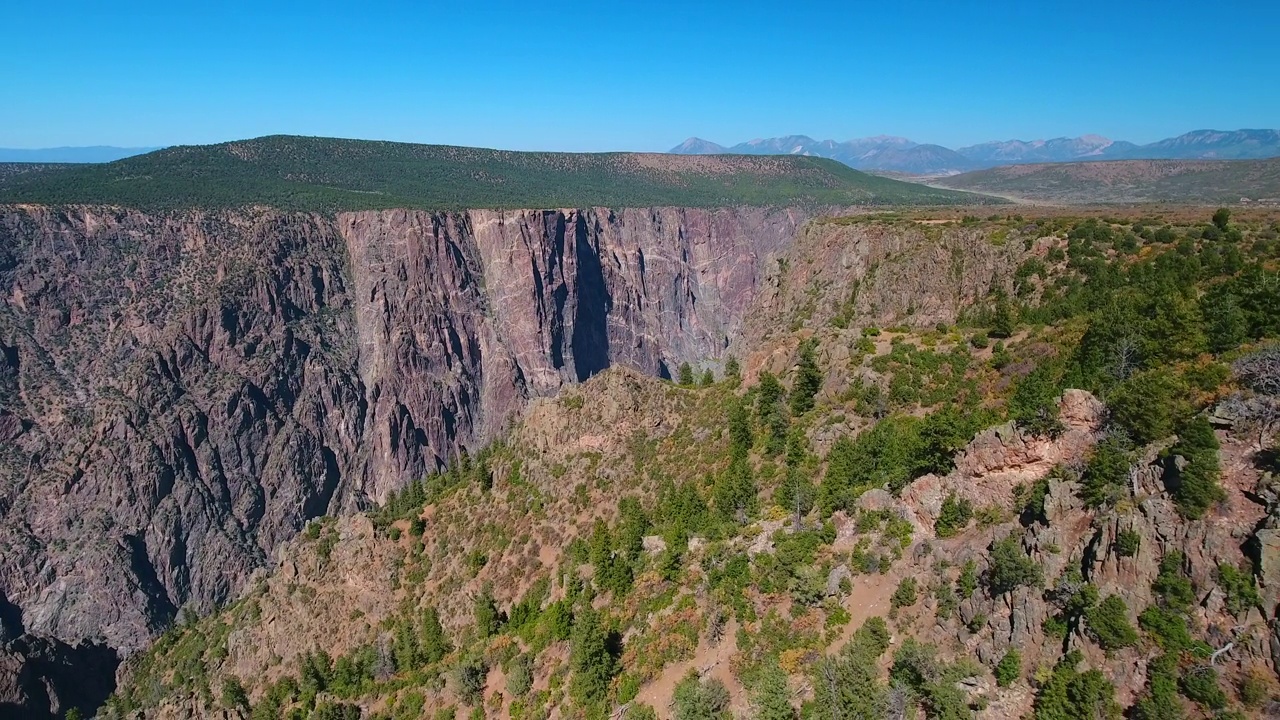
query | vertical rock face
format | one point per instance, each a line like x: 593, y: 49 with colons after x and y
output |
x: 43, y: 678
x: 180, y: 393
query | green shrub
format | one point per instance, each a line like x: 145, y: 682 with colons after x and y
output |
x: 698, y: 699
x: 1169, y: 628
x: 1009, y: 668
x: 1105, y: 478
x: 1195, y: 486
x: 955, y: 515
x: 1254, y: 688
x: 1239, y: 588
x: 1011, y: 568
x: 976, y: 623
x: 1109, y: 624
x: 471, y: 675
x: 905, y: 595
x: 328, y: 710
x: 233, y: 694
x: 519, y: 675
x: 1127, y: 543
x: 1200, y: 683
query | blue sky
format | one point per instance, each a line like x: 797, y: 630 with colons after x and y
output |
x: 631, y: 76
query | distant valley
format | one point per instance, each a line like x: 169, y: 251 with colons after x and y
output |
x: 1203, y: 182
x: 901, y: 155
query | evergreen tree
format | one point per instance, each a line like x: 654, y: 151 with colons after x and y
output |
x: 697, y: 699
x: 1160, y: 701
x: 435, y: 643
x: 771, y: 697
x: 1003, y: 317
x: 735, y: 491
x: 708, y: 379
x: 1034, y: 404
x: 772, y: 413
x: 1073, y: 695
x: 1010, y: 567
x: 592, y: 663
x: 488, y: 618
x: 739, y: 429
x: 732, y: 370
x: 1150, y: 405
x: 685, y: 375
x: 1109, y: 624
x: 943, y: 433
x: 846, y: 687
x: 1009, y: 668
x: 808, y: 379
x: 1196, y: 486
x: 1106, y: 476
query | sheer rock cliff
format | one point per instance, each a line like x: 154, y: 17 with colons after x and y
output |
x: 179, y: 393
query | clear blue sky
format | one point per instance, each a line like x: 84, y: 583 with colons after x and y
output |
x: 631, y: 75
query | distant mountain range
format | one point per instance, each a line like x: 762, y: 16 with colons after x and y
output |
x: 93, y: 154
x: 1183, y: 182
x: 900, y: 155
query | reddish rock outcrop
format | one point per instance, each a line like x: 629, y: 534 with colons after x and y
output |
x: 1001, y: 458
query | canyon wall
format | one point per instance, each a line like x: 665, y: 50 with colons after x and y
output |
x: 179, y: 393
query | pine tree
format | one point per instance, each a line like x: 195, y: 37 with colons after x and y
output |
x: 685, y: 375
x: 488, y: 618
x: 732, y: 370
x: 435, y: 643
x: 735, y: 491
x: 1003, y: 318
x: 772, y: 696
x: 739, y: 429
x: 808, y: 379
x: 772, y: 413
x: 592, y: 664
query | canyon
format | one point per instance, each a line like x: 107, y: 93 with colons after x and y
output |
x: 180, y: 393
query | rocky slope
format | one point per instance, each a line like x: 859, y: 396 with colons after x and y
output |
x: 567, y: 463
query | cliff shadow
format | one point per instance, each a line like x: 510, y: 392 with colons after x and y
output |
x: 589, y: 344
